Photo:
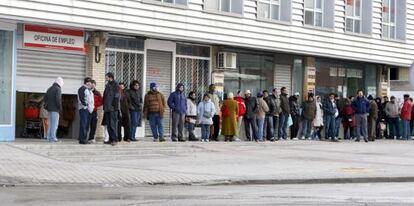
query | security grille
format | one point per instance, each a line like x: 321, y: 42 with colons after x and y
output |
x: 126, y: 66
x: 193, y: 73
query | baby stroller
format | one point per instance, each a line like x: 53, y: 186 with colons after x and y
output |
x: 33, y: 124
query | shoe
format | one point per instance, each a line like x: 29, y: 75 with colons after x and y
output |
x: 162, y: 139
x: 237, y: 140
x: 84, y: 143
x: 92, y: 141
x: 207, y: 140
x: 154, y: 140
x: 357, y: 140
x: 302, y: 138
x: 295, y: 138
x: 174, y: 139
x: 193, y: 139
x: 181, y: 140
x: 134, y: 140
x: 114, y: 143
x: 335, y: 139
x: 365, y: 139
x: 107, y: 142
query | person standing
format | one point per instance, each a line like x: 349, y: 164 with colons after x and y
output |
x: 250, y: 125
x: 348, y: 120
x: 111, y: 108
x: 295, y: 114
x: 229, y: 111
x: 205, y: 111
x: 392, y: 112
x: 361, y: 108
x: 406, y: 117
x: 262, y: 109
x: 385, y: 117
x: 338, y: 119
x: 97, y: 100
x: 242, y: 111
x: 268, y: 124
x: 154, y: 106
x: 215, y: 127
x: 124, y: 117
x: 178, y: 105
x: 378, y: 133
x: 135, y: 107
x: 412, y: 117
x: 308, y: 115
x: 318, y: 121
x: 53, y: 105
x: 284, y: 114
x: 275, y: 98
x: 191, y: 115
x: 85, y: 106
x: 330, y: 113
x: 372, y: 118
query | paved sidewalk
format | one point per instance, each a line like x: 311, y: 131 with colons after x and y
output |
x: 38, y: 162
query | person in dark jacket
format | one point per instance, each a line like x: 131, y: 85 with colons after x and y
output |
x: 124, y: 119
x: 154, y: 108
x: 276, y: 99
x: 53, y: 102
x: 361, y: 108
x: 284, y: 114
x: 338, y: 119
x: 379, y: 119
x: 295, y: 114
x: 308, y: 115
x: 385, y: 117
x: 250, y: 125
x: 111, y: 108
x: 348, y: 120
x: 268, y: 125
x: 330, y: 113
x: 97, y: 100
x: 135, y: 107
x: 178, y: 104
x: 372, y: 118
x: 85, y: 106
x: 412, y: 117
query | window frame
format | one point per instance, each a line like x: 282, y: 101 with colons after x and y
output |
x: 354, y: 17
x: 389, y: 23
x: 270, y: 3
x: 167, y: 4
x: 227, y: 13
x: 314, y: 10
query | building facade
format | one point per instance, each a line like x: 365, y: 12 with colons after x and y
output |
x: 316, y: 46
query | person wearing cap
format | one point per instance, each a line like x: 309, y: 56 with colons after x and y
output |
x: 53, y: 104
x: 154, y: 107
x: 284, y: 113
x: 250, y: 125
x: 295, y: 114
x: 392, y: 112
x: 178, y: 105
x: 372, y: 118
x: 406, y: 117
x: 111, y: 106
x: 229, y: 111
x: 262, y: 109
x: 361, y: 108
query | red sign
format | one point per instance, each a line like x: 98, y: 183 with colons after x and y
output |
x: 54, y: 38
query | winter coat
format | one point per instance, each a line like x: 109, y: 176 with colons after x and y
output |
x: 111, y: 97
x: 373, y: 110
x: 276, y: 101
x: 384, y: 114
x: 97, y: 100
x: 53, y: 98
x: 318, y: 121
x: 392, y: 110
x: 135, y: 98
x: 348, y: 116
x: 251, y: 106
x: 229, y: 123
x: 329, y: 107
x: 191, y: 113
x: 284, y: 104
x: 406, y: 111
x: 339, y: 106
x: 294, y: 106
x: 271, y: 104
x: 206, y: 112
x: 154, y: 101
x: 177, y: 101
x: 124, y: 103
x: 85, y: 99
x: 216, y: 101
x: 360, y: 105
x: 309, y: 110
x: 263, y: 108
x: 242, y: 106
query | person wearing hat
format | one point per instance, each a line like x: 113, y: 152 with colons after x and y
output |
x: 53, y: 104
x: 361, y: 108
x: 372, y: 118
x: 262, y: 109
x: 111, y: 106
x: 250, y: 125
x: 295, y: 114
x: 154, y: 107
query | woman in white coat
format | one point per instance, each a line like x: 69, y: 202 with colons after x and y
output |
x: 191, y: 115
x: 205, y: 111
x: 318, y: 121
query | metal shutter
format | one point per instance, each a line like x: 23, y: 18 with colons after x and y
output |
x: 37, y: 70
x: 159, y: 70
x: 283, y: 77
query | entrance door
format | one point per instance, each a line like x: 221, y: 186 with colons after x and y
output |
x: 159, y: 70
x: 7, y: 126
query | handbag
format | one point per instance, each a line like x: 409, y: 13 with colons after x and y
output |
x: 290, y: 121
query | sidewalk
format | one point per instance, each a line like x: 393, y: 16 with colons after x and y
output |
x: 138, y: 163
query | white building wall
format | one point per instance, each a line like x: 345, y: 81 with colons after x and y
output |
x: 194, y: 24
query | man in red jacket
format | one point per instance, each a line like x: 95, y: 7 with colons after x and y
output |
x: 94, y: 116
x: 406, y: 117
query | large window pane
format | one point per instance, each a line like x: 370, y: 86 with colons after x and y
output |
x: 349, y: 25
x: 319, y: 4
x: 225, y: 5
x: 357, y: 7
x: 392, y: 11
x: 211, y: 5
x: 275, y: 12
x: 263, y: 10
x: 392, y: 32
x: 309, y: 18
x: 357, y: 28
x: 181, y: 2
x: 318, y: 19
x: 385, y: 31
x: 6, y: 51
x: 349, y: 10
x: 309, y: 4
x: 237, y: 6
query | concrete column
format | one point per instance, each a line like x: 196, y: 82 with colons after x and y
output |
x: 96, y: 71
x: 309, y: 79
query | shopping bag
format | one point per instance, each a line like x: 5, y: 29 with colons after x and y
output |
x: 290, y: 121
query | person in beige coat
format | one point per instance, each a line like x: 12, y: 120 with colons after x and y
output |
x: 262, y: 108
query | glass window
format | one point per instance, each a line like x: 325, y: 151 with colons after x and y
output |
x: 128, y: 43
x: 393, y: 19
x: 193, y: 50
x: 231, y: 6
x: 263, y: 10
x: 225, y: 5
x: 309, y: 4
x: 274, y: 9
x: 6, y: 52
x: 314, y: 12
x: 309, y: 18
x: 358, y: 16
x: 180, y: 2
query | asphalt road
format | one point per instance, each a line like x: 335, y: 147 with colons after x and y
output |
x: 383, y: 194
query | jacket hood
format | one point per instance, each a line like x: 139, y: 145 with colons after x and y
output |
x: 59, y: 81
x: 178, y: 86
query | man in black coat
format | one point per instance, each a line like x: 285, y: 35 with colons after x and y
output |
x: 250, y: 116
x: 269, y: 127
x: 284, y: 114
x: 53, y: 104
x: 111, y: 107
x: 135, y: 97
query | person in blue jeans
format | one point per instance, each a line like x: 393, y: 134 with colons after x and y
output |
x: 135, y: 107
x: 53, y: 101
x: 205, y: 112
x: 284, y: 114
x: 154, y: 107
x: 85, y: 106
x: 361, y: 108
x: 330, y: 113
x: 262, y: 109
x: 308, y: 115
